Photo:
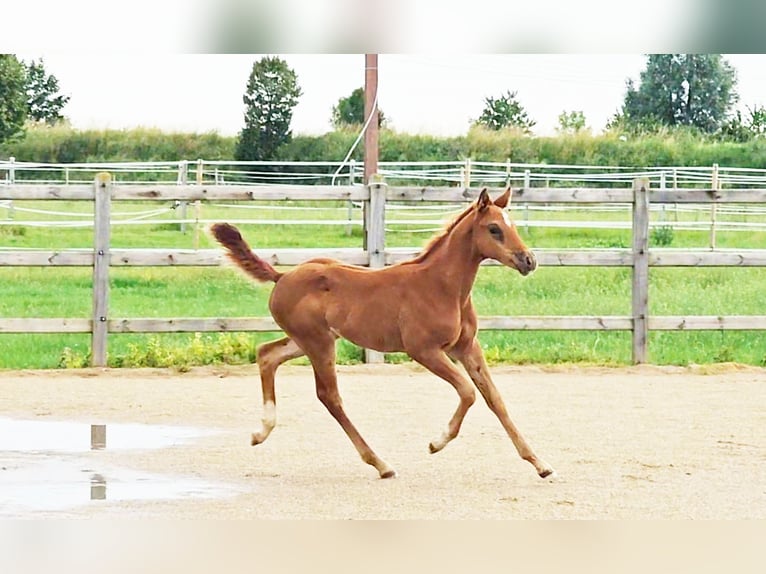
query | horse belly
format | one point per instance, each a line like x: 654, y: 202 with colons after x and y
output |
x: 371, y: 327
x: 317, y: 296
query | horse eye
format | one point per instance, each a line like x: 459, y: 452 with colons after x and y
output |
x: 495, y: 231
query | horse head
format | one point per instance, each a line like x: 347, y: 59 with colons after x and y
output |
x: 496, y: 236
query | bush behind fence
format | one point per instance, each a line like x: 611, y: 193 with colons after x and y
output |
x: 65, y: 145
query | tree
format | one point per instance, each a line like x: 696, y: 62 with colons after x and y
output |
x: 741, y: 129
x: 680, y: 90
x: 272, y: 93
x: 349, y: 111
x: 503, y: 112
x: 43, y: 100
x: 571, y: 122
x: 13, y: 104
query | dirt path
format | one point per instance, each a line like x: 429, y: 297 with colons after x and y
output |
x: 627, y: 443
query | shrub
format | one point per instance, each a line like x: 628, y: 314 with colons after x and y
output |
x: 661, y: 236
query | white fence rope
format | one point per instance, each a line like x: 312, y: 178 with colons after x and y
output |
x: 444, y: 171
x: 476, y: 173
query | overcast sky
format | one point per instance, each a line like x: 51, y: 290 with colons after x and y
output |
x: 419, y: 93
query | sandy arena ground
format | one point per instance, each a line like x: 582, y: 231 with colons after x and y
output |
x: 628, y: 443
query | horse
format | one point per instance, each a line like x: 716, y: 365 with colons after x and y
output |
x: 421, y: 307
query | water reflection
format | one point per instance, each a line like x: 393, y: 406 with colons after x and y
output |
x: 97, y: 437
x: 48, y: 466
x: 68, y: 436
x: 97, y: 487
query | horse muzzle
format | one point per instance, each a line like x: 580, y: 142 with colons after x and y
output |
x: 525, y: 262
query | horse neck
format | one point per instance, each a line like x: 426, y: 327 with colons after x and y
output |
x: 454, y: 262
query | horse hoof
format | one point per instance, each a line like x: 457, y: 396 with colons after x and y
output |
x: 255, y: 439
x: 432, y: 448
x: 549, y: 474
x: 388, y: 474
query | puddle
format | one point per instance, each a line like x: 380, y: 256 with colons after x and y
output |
x: 67, y: 436
x: 48, y: 466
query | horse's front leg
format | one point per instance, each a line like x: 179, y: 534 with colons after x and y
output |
x: 472, y: 358
x: 436, y: 361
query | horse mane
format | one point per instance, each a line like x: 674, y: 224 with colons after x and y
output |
x: 439, y: 238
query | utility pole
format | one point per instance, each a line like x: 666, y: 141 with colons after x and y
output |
x: 374, y: 216
x: 371, y: 135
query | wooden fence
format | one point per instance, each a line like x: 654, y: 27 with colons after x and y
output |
x: 639, y: 257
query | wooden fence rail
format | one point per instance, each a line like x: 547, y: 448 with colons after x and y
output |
x: 639, y: 257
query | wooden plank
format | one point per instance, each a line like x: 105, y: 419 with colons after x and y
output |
x: 101, y: 240
x: 531, y: 195
x: 486, y: 323
x: 584, y: 257
x: 578, y: 194
x: 35, y: 191
x: 573, y: 195
x: 708, y: 195
x: 545, y: 257
x: 556, y: 323
x: 707, y: 258
x: 192, y: 325
x: 625, y: 323
x: 163, y: 192
x: 708, y: 323
x: 181, y: 325
x: 171, y: 257
x: 46, y: 258
x: 53, y: 325
x: 640, y: 283
x: 166, y: 257
x: 355, y: 256
x: 214, y: 257
x: 160, y: 192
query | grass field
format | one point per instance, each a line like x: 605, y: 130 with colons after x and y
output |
x: 209, y: 292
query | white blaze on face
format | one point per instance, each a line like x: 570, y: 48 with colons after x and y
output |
x: 507, y: 219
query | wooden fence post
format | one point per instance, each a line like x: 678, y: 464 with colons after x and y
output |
x: 101, y: 240
x: 467, y: 174
x: 527, y: 186
x: 715, y: 186
x: 350, y: 205
x: 640, y: 298
x: 11, y: 181
x: 198, y: 204
x: 376, y: 242
x: 183, y: 176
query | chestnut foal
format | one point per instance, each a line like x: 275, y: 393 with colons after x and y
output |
x: 421, y: 307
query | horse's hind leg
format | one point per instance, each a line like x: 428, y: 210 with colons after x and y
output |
x: 270, y: 356
x: 321, y: 353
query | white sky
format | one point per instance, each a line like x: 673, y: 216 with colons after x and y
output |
x: 419, y: 93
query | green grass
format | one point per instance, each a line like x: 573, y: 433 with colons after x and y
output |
x: 214, y: 292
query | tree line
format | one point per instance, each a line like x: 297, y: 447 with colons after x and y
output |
x: 669, y: 147
x: 696, y: 93
x: 693, y: 92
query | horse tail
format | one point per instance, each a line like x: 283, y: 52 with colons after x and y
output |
x: 240, y: 253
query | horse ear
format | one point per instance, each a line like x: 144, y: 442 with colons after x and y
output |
x: 504, y: 199
x: 483, y: 202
